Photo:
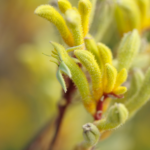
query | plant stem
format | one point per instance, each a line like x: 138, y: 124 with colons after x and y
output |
x: 62, y: 109
x: 99, y: 108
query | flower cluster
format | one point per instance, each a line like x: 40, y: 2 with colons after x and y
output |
x: 107, y: 74
x: 97, y: 58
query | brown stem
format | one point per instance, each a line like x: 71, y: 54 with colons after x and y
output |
x: 99, y: 108
x: 62, y: 110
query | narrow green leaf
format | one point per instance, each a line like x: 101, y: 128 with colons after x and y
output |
x: 61, y: 80
x: 63, y: 67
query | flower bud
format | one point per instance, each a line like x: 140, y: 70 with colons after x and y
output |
x: 120, y: 90
x: 105, y: 55
x: 88, y: 60
x: 91, y: 46
x: 127, y: 11
x: 91, y: 134
x: 74, y: 22
x: 49, y: 13
x: 109, y: 78
x: 129, y: 47
x: 85, y: 7
x: 64, y: 5
x: 121, y: 77
x: 117, y: 115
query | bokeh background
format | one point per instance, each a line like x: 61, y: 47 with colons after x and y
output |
x: 29, y: 91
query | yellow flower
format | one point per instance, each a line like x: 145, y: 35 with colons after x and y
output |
x: 106, y: 77
x: 106, y: 80
x: 132, y: 14
x: 75, y: 24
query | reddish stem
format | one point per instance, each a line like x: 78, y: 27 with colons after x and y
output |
x: 116, y: 96
x: 99, y: 108
x: 62, y: 110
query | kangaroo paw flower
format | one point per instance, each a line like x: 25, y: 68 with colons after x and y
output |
x: 64, y: 5
x: 129, y: 47
x: 49, y: 13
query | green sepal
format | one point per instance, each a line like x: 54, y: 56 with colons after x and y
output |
x: 63, y: 67
x: 61, y: 80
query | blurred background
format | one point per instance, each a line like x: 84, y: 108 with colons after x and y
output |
x: 29, y: 90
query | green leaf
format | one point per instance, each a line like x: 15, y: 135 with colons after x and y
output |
x: 61, y: 80
x: 63, y: 67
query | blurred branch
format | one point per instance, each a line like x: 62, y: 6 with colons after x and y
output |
x: 40, y: 137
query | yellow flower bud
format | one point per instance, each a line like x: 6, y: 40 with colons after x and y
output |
x: 121, y: 77
x: 91, y: 46
x: 49, y: 13
x: 64, y: 5
x: 144, y: 6
x: 74, y: 22
x: 105, y: 55
x: 85, y: 7
x: 119, y: 90
x: 88, y: 60
x: 128, y: 11
x: 109, y: 78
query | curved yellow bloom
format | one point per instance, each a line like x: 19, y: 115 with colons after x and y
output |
x: 91, y: 46
x: 144, y: 6
x: 88, y: 60
x: 64, y: 5
x: 105, y: 55
x: 132, y: 14
x: 127, y: 16
x: 110, y: 78
x: 74, y: 22
x: 120, y: 90
x: 85, y: 7
x: 49, y: 13
x: 121, y: 77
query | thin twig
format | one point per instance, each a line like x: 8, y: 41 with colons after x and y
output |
x: 62, y: 109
